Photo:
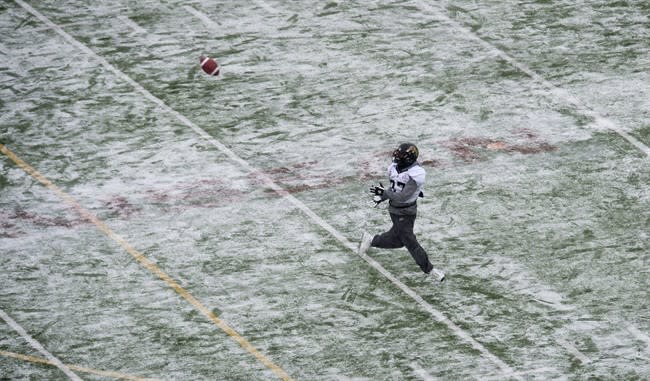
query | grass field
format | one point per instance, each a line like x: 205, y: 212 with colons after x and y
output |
x: 159, y: 223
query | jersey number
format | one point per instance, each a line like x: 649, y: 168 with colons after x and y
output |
x: 399, y: 184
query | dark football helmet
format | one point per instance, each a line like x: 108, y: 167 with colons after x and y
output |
x: 405, y: 155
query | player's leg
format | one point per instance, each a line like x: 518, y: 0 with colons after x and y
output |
x: 389, y: 239
x: 404, y: 229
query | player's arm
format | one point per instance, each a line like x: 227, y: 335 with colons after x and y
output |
x: 405, y: 192
x: 410, y: 188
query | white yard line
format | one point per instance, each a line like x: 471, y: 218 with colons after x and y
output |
x: 536, y: 372
x: 211, y: 25
x: 639, y: 335
x: 36, y: 345
x: 573, y: 350
x: 556, y: 91
x: 96, y: 372
x: 132, y: 24
x: 418, y: 371
x: 266, y: 6
x: 439, y: 316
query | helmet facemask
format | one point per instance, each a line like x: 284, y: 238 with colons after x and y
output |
x: 405, y: 155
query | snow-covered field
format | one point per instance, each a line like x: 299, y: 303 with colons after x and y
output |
x: 186, y: 227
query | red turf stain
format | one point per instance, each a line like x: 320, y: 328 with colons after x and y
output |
x: 472, y: 148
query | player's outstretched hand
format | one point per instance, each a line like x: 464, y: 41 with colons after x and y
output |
x: 377, y: 190
x: 378, y: 193
x: 377, y: 200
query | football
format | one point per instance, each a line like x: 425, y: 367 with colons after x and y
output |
x: 209, y: 65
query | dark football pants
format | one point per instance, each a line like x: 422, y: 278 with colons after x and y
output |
x: 400, y: 235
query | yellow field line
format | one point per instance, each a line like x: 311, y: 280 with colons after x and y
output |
x: 105, y: 373
x: 146, y: 263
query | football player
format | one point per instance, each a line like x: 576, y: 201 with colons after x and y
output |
x: 406, y: 178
